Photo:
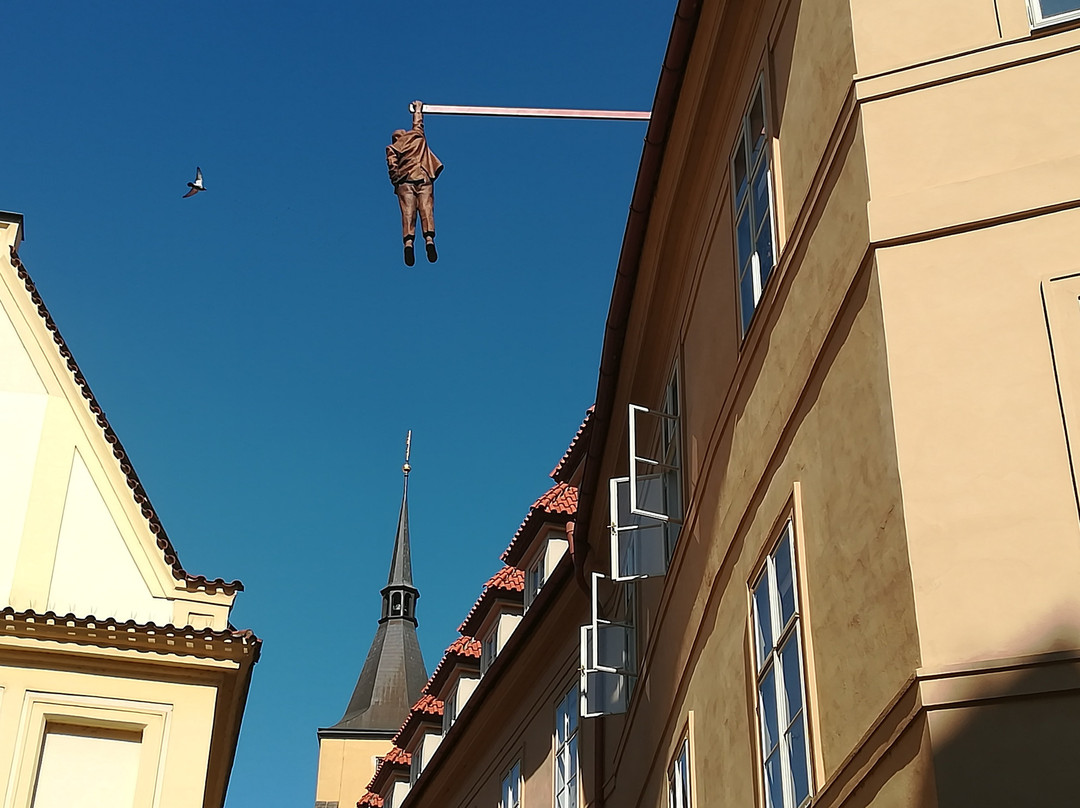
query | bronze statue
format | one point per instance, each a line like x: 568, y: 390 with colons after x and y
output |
x: 413, y: 168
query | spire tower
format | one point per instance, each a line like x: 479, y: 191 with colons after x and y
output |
x: 389, y: 683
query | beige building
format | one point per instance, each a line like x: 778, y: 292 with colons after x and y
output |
x: 826, y: 543
x: 122, y: 682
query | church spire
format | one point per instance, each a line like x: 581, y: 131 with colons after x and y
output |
x: 394, y: 671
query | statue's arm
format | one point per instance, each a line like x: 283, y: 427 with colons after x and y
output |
x: 392, y: 164
x: 417, y: 108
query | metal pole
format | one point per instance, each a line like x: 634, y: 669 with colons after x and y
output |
x: 534, y: 112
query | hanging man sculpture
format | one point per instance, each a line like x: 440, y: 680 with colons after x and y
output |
x: 413, y: 169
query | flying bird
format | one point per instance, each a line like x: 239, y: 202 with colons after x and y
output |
x: 195, y: 186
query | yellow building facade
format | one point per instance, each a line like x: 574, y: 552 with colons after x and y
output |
x: 826, y: 532
x: 122, y: 682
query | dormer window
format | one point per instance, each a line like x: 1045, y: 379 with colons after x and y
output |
x: 534, y: 579
x: 489, y: 650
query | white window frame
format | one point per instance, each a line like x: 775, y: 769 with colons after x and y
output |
x: 680, y: 792
x: 752, y: 263
x: 770, y: 673
x: 567, y: 731
x: 1038, y: 19
x: 535, y: 577
x: 510, y: 792
x: 450, y: 709
x: 489, y: 649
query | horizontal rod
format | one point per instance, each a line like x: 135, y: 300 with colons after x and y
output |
x: 534, y: 112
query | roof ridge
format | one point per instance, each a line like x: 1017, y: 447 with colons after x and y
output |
x: 192, y: 582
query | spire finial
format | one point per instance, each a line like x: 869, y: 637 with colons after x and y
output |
x: 408, y: 447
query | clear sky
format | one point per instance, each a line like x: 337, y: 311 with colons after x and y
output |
x: 261, y: 350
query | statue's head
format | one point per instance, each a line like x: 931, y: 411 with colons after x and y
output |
x: 398, y: 133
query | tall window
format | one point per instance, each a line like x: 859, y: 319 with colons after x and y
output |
x: 511, y: 788
x: 679, y: 778
x: 449, y: 715
x: 781, y: 704
x: 751, y: 184
x: 1050, y: 11
x: 566, y: 751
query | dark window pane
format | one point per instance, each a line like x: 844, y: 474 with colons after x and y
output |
x: 767, y: 696
x: 747, y: 299
x: 762, y: 620
x: 744, y: 236
x: 764, y: 249
x: 774, y: 781
x: 800, y: 774
x: 760, y: 201
x: 740, y: 171
x: 785, y: 583
x: 789, y: 664
x: 757, y: 127
x: 1053, y: 7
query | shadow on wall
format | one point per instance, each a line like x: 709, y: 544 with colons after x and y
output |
x: 1005, y: 736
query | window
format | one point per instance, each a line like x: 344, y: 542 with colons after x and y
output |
x: 488, y: 650
x: 1051, y: 11
x: 780, y: 692
x: 87, y: 766
x: 416, y: 764
x: 534, y: 579
x: 511, y: 788
x: 751, y: 185
x: 566, y: 751
x: 449, y: 715
x: 679, y: 778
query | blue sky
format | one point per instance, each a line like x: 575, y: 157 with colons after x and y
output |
x: 261, y: 350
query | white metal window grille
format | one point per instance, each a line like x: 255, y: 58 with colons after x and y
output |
x: 781, y: 702
x: 679, y: 778
x: 511, y: 788
x: 1046, y: 12
x: 646, y: 507
x: 608, y: 656
x: 751, y: 185
x: 566, y: 751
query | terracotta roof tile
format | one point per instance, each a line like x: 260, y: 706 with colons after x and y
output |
x: 508, y: 584
x: 370, y: 799
x: 558, y: 504
x: 427, y: 709
x: 465, y: 650
x: 565, y: 468
x: 110, y: 633
x: 394, y: 761
x: 138, y: 493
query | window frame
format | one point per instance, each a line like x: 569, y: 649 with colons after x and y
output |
x: 752, y: 262
x: 682, y: 761
x: 565, y: 738
x: 536, y: 575
x: 515, y: 772
x: 450, y: 709
x: 767, y: 663
x: 1040, y: 20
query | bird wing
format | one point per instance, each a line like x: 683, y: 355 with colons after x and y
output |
x: 192, y: 192
x: 198, y: 175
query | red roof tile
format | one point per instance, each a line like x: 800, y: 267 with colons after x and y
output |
x: 427, y: 709
x: 558, y: 504
x: 507, y: 584
x: 138, y: 493
x: 394, y: 761
x: 110, y: 633
x: 370, y: 799
x: 565, y: 469
x: 463, y: 650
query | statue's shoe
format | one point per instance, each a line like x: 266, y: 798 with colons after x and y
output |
x: 432, y: 253
x: 410, y: 255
